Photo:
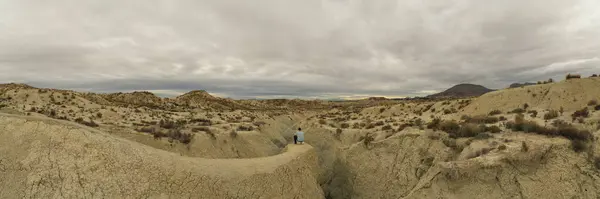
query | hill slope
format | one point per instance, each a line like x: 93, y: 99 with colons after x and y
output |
x: 45, y: 158
x: 462, y: 90
x: 571, y: 95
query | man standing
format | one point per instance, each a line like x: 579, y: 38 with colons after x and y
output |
x: 299, y: 136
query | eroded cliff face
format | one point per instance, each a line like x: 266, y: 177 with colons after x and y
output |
x: 44, y: 158
x: 417, y: 165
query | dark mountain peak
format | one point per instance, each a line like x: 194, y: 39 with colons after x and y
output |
x: 462, y: 90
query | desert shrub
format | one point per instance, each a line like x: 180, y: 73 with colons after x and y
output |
x: 559, y: 123
x: 581, y: 113
x: 451, y: 143
x: 578, y: 145
x: 146, y: 130
x: 381, y: 110
x: 565, y: 130
x: 502, y: 147
x: 468, y: 130
x: 483, y: 136
x: 551, y: 115
x: 495, y: 112
x: 571, y: 76
x: 91, y: 123
x: 379, y: 123
x: 367, y: 139
x: 233, y: 134
x: 434, y: 124
x: 517, y: 111
x: 493, y: 129
x: 322, y: 121
x: 597, y: 162
x: 176, y: 134
x: 450, y: 127
x: 355, y: 125
x: 386, y: 127
x: 418, y: 122
x: 167, y: 124
x: 370, y: 126
x: 525, y: 106
x: 592, y: 103
x: 3, y: 105
x: 482, y: 119
x: 345, y: 125
x: 402, y: 127
x: 338, y: 134
x: 245, y: 128
x: 524, y: 146
x: 533, y: 113
x: 502, y: 118
x: 201, y: 121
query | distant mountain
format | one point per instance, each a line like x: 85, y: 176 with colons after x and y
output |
x: 462, y: 90
x: 517, y: 85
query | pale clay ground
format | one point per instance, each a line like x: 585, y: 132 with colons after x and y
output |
x: 48, y: 158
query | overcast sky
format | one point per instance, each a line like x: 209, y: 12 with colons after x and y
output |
x: 295, y: 48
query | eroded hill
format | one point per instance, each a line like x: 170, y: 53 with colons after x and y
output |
x: 538, y: 141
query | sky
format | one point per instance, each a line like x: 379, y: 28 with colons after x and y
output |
x: 295, y: 48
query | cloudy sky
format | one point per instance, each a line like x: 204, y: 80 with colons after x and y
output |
x: 295, y: 48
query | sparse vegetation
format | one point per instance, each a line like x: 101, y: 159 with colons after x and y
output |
x: 571, y: 76
x: 551, y: 115
x: 367, y: 139
x: 563, y: 129
x: 481, y: 119
x: 338, y: 134
x: 518, y: 111
x: 495, y: 112
x: 245, y: 128
x: 345, y: 125
x: 386, y: 127
x: 592, y: 103
x: 583, y: 113
x: 322, y: 121
x: 233, y: 134
x: 502, y: 147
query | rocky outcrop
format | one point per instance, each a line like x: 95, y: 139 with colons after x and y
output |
x: 45, y: 158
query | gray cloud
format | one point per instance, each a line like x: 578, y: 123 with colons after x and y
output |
x: 322, y: 48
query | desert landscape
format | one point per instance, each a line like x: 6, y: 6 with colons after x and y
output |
x: 526, y: 141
